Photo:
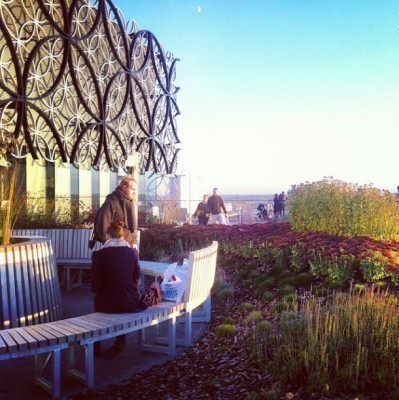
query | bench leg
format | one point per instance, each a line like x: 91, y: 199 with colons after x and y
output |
x: 42, y: 363
x: 188, y: 328
x: 172, y: 336
x: 204, y: 314
x: 160, y: 344
x: 75, y: 353
x: 73, y: 277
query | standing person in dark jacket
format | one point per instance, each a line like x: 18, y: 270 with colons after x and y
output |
x: 216, y: 205
x: 115, y: 280
x: 276, y: 205
x: 282, y: 199
x: 202, y: 211
x: 118, y: 206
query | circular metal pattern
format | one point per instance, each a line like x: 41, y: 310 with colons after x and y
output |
x: 79, y: 84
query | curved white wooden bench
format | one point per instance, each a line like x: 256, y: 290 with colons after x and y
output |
x: 78, y: 335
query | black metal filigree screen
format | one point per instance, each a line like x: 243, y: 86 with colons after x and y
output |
x: 80, y: 84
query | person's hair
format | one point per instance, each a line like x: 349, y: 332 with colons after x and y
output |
x: 126, y: 181
x: 115, y: 230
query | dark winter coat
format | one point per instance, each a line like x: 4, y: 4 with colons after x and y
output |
x: 116, y: 207
x: 216, y: 204
x: 202, y: 213
x: 115, y: 277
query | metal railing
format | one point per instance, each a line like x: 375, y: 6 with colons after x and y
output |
x: 240, y: 211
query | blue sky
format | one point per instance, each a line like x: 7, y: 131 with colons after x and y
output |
x: 278, y: 92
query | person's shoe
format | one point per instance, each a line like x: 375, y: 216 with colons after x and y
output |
x: 114, y: 350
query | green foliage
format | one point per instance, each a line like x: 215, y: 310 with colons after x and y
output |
x: 349, y: 340
x: 63, y: 212
x: 374, y: 267
x: 271, y: 395
x: 264, y: 284
x: 246, y: 306
x: 268, y: 296
x: 253, y: 317
x: 228, y: 321
x: 225, y: 331
x: 336, y: 269
x: 340, y: 208
x: 285, y: 289
x: 262, y: 327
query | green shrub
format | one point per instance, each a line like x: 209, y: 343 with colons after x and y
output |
x: 262, y: 327
x: 337, y: 269
x: 225, y: 293
x: 271, y: 395
x: 246, y: 306
x: 262, y: 285
x: 254, y: 273
x: 349, y: 340
x: 277, y: 271
x: 225, y: 331
x: 228, y: 321
x: 268, y: 296
x: 289, y: 280
x: 253, y: 317
x: 285, y: 289
x: 341, y: 208
x: 302, y: 279
x: 374, y: 267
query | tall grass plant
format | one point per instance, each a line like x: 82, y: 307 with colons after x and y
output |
x: 344, y: 209
x: 348, y: 341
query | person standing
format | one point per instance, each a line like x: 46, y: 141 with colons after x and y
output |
x: 282, y: 199
x: 202, y: 211
x: 276, y: 205
x: 115, y: 280
x: 216, y: 205
x: 118, y: 206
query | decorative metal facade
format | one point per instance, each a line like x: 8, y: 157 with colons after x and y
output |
x: 79, y: 84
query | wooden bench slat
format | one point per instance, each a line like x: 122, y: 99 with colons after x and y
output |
x: 122, y: 324
x: 32, y: 342
x: 50, y: 338
x: 41, y: 340
x: 19, y: 339
x: 3, y: 346
x: 70, y: 336
x: 9, y: 341
x: 95, y: 328
x: 59, y: 336
x: 80, y: 332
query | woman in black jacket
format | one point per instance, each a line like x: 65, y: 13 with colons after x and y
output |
x: 115, y: 280
x: 202, y: 212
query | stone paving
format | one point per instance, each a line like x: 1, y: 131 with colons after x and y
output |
x: 17, y: 376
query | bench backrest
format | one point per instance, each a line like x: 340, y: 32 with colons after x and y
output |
x: 67, y: 243
x: 29, y: 289
x: 201, y: 275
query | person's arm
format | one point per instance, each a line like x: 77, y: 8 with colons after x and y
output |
x: 104, y: 219
x: 222, y: 205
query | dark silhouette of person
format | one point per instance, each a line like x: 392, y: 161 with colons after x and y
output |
x: 202, y: 212
x: 115, y: 280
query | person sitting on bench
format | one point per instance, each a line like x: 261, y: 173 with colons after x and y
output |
x: 115, y: 280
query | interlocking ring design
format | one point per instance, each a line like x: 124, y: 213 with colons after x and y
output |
x: 79, y: 84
